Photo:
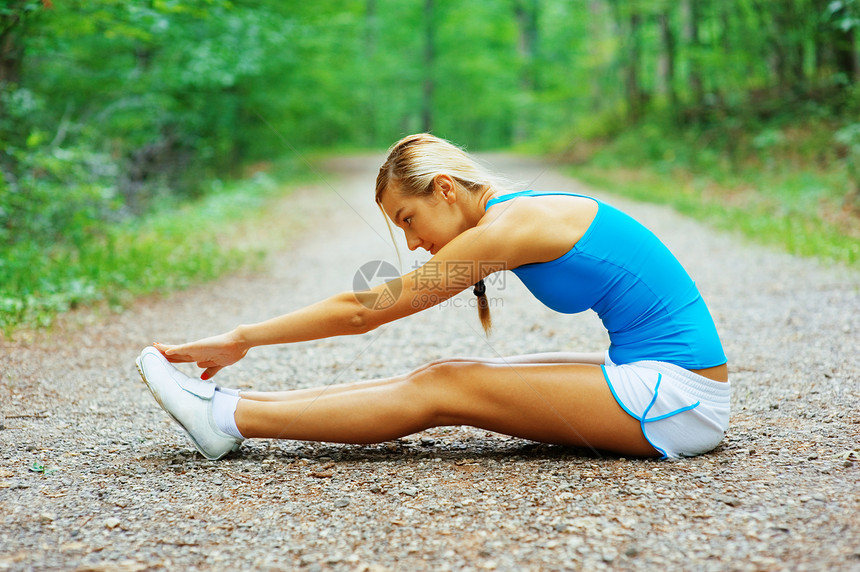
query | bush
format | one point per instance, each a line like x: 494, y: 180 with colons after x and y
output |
x: 92, y: 260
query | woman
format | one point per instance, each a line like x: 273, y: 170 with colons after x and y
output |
x: 660, y: 390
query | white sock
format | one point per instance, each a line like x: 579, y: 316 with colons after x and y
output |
x: 224, y: 411
x: 227, y: 390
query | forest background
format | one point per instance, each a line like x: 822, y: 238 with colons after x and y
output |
x: 125, y: 124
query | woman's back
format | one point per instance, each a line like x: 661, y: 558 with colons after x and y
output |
x: 648, y: 303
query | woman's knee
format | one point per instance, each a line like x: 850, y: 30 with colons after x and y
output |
x: 445, y: 386
x: 446, y: 371
x: 446, y: 367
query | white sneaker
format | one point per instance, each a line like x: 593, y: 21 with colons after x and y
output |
x: 188, y: 401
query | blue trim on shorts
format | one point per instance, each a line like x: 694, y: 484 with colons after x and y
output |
x: 615, y: 395
x: 644, y: 419
x: 631, y: 414
x: 677, y: 411
x: 667, y: 415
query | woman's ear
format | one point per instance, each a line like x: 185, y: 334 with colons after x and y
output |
x: 444, y: 185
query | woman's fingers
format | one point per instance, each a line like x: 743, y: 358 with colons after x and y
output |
x: 210, y: 371
x: 169, y: 352
x: 177, y: 354
x: 209, y: 357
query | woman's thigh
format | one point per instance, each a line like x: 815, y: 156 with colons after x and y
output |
x: 554, y: 403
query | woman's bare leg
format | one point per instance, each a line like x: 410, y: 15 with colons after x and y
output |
x: 545, y: 358
x: 553, y: 403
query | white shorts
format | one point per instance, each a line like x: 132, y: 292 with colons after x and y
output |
x: 683, y: 414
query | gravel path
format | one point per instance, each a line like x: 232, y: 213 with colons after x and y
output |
x: 116, y: 485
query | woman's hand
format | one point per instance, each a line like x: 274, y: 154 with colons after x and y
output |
x: 211, y: 354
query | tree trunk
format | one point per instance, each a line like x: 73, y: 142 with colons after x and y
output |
x: 846, y: 55
x: 596, y: 35
x: 631, y: 75
x: 691, y: 35
x: 787, y: 46
x: 11, y: 49
x: 666, y: 68
x: 429, y: 61
x: 845, y: 47
x: 821, y: 39
x: 12, y: 22
x: 371, y: 35
x: 526, y: 12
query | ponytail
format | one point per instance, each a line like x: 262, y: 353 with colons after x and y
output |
x: 480, y: 291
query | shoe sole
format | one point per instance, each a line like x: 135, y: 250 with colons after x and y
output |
x: 178, y: 422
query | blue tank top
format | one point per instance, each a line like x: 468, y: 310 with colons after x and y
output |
x: 646, y: 300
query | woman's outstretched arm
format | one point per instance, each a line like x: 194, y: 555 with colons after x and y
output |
x: 341, y: 314
x: 462, y: 263
x: 346, y: 313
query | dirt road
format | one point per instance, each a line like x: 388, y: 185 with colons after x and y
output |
x: 94, y: 476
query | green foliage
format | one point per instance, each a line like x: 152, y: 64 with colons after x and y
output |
x: 112, y: 109
x: 217, y: 83
x: 173, y: 247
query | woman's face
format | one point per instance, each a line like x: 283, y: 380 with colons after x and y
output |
x: 429, y: 222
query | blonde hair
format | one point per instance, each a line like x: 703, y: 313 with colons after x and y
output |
x: 411, y: 168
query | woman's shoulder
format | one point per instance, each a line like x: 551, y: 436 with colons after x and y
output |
x: 540, y: 226
x: 538, y: 211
